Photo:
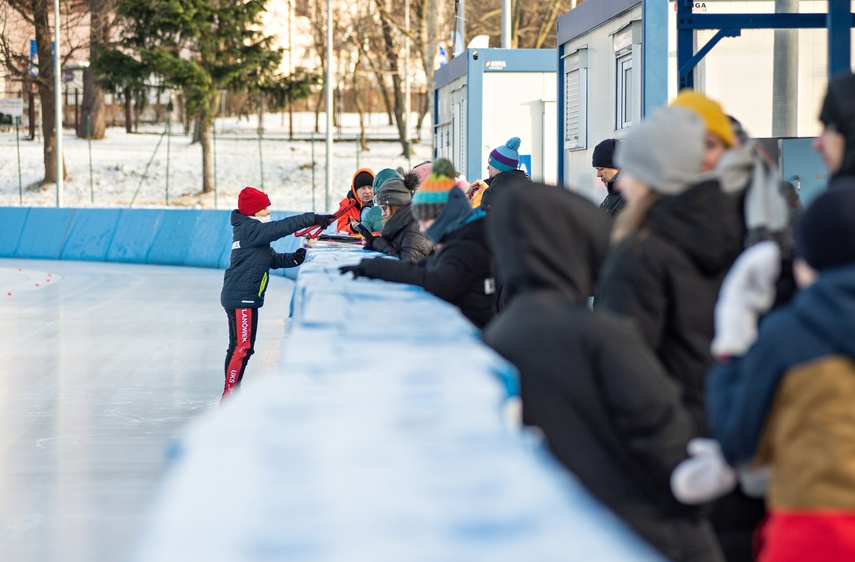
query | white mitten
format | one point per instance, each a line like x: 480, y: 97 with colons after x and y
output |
x: 747, y: 292
x: 704, y: 476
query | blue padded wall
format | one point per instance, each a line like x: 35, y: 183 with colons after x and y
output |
x: 134, y: 235
x: 12, y: 221
x: 90, y: 234
x: 212, y: 238
x: 173, y: 238
x: 44, y: 233
x: 154, y: 236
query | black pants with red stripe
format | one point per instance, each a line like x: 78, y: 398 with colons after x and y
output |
x: 243, y: 323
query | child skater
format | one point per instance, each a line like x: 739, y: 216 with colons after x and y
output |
x: 245, y: 280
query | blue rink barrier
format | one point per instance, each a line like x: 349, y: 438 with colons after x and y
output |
x: 151, y: 236
x: 382, y: 435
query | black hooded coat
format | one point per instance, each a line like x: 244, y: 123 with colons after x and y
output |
x: 666, y: 278
x: 606, y: 407
x: 838, y: 111
x: 499, y: 183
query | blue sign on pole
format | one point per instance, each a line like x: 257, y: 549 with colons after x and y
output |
x: 34, y: 53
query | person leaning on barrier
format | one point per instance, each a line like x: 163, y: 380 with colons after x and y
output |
x: 400, y: 237
x: 460, y: 271
x: 607, y: 409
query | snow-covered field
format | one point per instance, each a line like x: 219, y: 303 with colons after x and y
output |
x: 119, y: 163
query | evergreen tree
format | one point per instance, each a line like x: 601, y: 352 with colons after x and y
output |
x: 200, y: 47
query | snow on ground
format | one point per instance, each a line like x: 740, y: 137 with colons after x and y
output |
x: 119, y: 162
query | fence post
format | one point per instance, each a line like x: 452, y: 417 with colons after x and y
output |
x: 18, y: 143
x: 214, y: 148
x: 168, y: 143
x: 89, y: 140
x: 313, y: 171
x: 261, y: 156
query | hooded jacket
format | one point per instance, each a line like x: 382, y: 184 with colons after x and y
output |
x: 606, y: 407
x: 666, y: 278
x: 402, y: 238
x: 355, y: 212
x: 245, y: 280
x: 498, y: 184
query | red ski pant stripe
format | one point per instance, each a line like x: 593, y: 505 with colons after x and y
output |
x: 243, y: 323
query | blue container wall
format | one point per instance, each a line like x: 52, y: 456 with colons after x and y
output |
x: 151, y: 236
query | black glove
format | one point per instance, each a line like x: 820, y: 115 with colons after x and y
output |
x: 300, y: 256
x: 345, y: 269
x: 324, y: 220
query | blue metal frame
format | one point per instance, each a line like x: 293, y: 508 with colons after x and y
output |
x: 838, y: 20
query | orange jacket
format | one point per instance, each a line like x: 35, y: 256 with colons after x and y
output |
x: 355, y: 212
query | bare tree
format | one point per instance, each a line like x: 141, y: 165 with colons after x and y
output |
x: 532, y: 23
x: 36, y: 17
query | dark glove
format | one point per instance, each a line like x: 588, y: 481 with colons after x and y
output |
x: 345, y: 269
x: 300, y: 256
x: 324, y: 220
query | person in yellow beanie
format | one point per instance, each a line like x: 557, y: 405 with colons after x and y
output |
x: 719, y: 136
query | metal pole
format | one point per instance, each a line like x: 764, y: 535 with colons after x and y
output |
x: 329, y: 108
x: 260, y: 153
x: 18, y: 143
x: 314, y: 208
x: 214, y: 137
x: 785, y: 75
x: 407, y: 103
x: 506, y: 24
x: 358, y: 146
x: 58, y: 103
x: 168, y: 144
x: 89, y: 140
x: 461, y: 28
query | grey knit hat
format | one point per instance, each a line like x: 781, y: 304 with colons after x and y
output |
x: 393, y: 192
x: 665, y: 151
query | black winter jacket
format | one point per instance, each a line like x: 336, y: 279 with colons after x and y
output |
x: 245, y: 280
x: 666, y: 278
x: 614, y: 202
x: 402, y: 238
x: 605, y: 405
x: 500, y: 183
x: 459, y: 272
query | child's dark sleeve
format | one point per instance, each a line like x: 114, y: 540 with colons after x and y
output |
x: 259, y: 233
x: 282, y: 260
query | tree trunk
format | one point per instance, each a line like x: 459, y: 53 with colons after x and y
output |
x: 128, y: 118
x: 381, y: 83
x: 93, y: 106
x: 41, y: 19
x: 391, y: 56
x: 321, y: 97
x: 360, y: 108
x: 203, y: 128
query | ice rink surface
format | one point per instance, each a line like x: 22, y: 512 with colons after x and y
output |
x: 101, y: 367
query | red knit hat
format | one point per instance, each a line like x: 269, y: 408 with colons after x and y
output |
x: 251, y: 200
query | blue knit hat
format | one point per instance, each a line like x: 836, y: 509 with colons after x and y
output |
x: 506, y: 158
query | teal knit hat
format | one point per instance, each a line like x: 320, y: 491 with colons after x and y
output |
x: 506, y: 158
x: 384, y: 175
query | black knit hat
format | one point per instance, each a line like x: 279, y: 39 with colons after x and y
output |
x: 825, y: 233
x: 604, y: 154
